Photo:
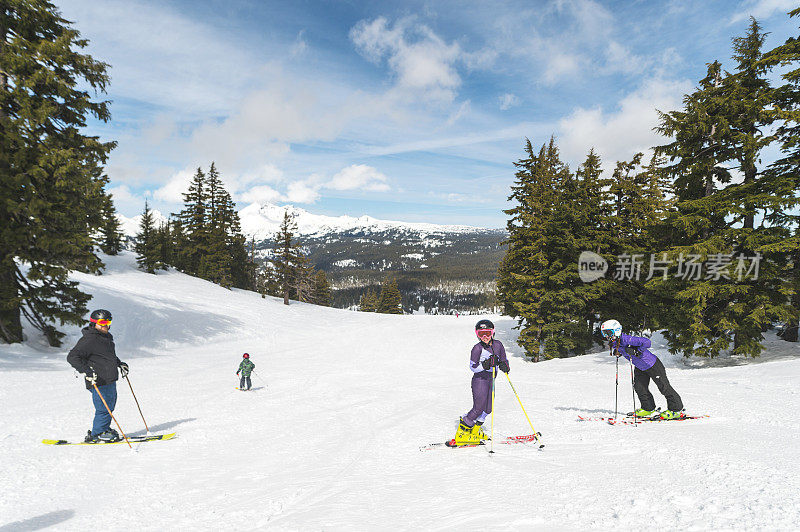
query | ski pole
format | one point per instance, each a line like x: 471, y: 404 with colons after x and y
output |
x: 491, y: 445
x: 633, y: 393
x: 616, y: 388
x: 137, y: 403
x: 111, y: 414
x: 536, y: 435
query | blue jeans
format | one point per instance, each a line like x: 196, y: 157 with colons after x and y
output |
x: 102, y: 419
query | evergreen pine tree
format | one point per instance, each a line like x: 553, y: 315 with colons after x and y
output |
x: 51, y: 191
x: 592, y: 232
x: 390, y: 300
x: 215, y: 263
x: 179, y: 244
x: 783, y: 178
x: 304, y: 279
x: 111, y: 233
x: 538, y: 279
x: 267, y: 282
x: 722, y: 127
x: 193, y: 242
x: 322, y: 290
x: 285, y: 256
x: 164, y: 244
x: 147, y: 250
x: 369, y: 301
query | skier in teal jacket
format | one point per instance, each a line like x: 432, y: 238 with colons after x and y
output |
x: 246, y: 367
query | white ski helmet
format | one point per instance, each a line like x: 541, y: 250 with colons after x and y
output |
x: 611, y: 329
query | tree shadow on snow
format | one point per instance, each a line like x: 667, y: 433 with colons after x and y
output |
x: 162, y: 426
x: 39, y: 522
x: 143, y: 327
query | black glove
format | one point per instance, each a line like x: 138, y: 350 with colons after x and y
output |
x: 488, y: 363
x: 123, y: 368
x: 503, y: 365
x: 91, y: 377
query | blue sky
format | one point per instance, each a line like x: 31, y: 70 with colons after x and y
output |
x: 409, y: 110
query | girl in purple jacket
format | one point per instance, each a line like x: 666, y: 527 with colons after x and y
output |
x: 648, y: 366
x: 486, y: 355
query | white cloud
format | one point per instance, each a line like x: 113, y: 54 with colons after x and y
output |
x: 300, y: 192
x: 619, y: 58
x: 359, y: 177
x: 300, y: 45
x: 260, y: 194
x: 592, y: 20
x: 620, y: 134
x: 507, y: 101
x: 763, y: 9
x: 125, y: 200
x: 422, y: 63
x: 162, y: 57
x: 176, y: 185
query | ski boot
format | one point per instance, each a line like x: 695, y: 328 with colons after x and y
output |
x: 465, y: 435
x: 110, y: 435
x: 672, y: 414
x: 89, y: 438
x: 477, y: 430
x: 641, y: 412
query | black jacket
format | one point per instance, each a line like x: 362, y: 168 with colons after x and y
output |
x: 96, y: 351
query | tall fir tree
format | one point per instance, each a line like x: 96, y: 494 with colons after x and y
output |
x: 718, y: 136
x: 304, y: 279
x: 51, y: 192
x: 147, y: 250
x: 783, y: 185
x: 368, y: 301
x: 267, y: 282
x: 285, y: 255
x: 322, y: 290
x: 215, y: 263
x: 390, y: 301
x: 164, y: 238
x: 637, y: 204
x: 538, y: 280
x: 194, y: 224
x: 110, y: 231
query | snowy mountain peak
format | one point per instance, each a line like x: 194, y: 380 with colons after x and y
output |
x: 263, y: 220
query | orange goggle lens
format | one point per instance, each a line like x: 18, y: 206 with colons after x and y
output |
x: 101, y: 322
x: 484, y: 332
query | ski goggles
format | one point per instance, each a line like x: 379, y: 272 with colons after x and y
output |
x: 484, y: 332
x: 607, y: 333
x: 102, y: 322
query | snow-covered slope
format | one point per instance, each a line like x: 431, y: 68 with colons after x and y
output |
x: 262, y: 221
x: 329, y: 438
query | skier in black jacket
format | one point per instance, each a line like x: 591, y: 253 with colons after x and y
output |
x: 95, y: 357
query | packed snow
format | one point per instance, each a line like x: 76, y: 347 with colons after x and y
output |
x: 329, y: 437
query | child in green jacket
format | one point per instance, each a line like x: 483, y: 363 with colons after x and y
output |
x: 245, y: 368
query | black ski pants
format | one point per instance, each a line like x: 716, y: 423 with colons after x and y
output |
x: 245, y: 380
x: 641, y: 383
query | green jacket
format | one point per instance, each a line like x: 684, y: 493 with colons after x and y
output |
x: 246, y: 367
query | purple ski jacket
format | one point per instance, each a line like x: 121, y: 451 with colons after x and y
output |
x: 481, y: 352
x: 634, y: 348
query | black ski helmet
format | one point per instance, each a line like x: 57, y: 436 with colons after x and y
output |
x: 484, y: 324
x: 100, y: 314
x: 246, y: 355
